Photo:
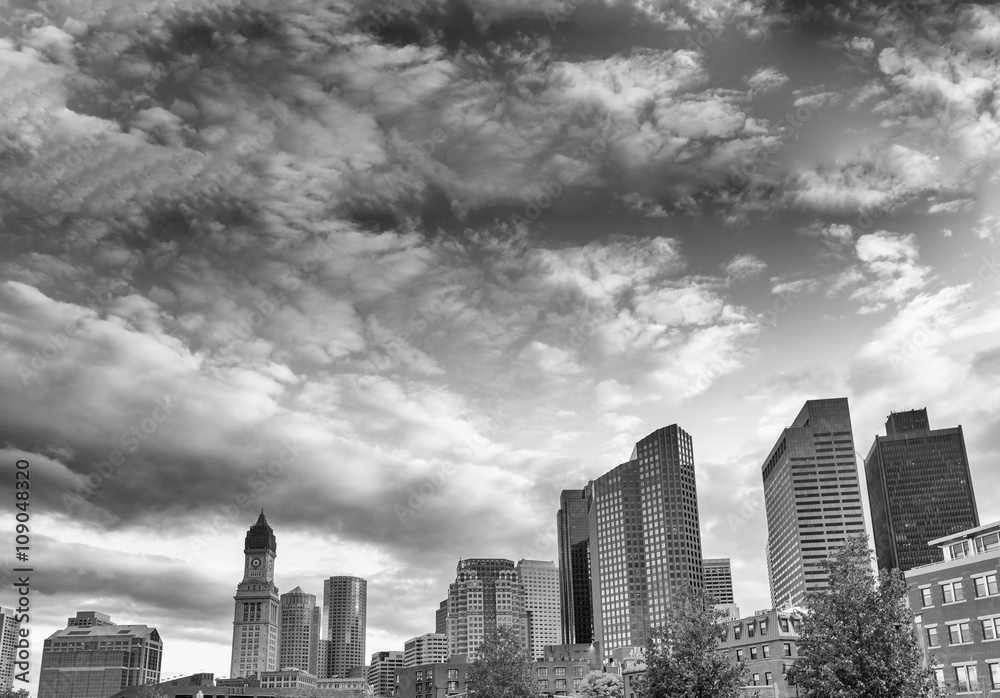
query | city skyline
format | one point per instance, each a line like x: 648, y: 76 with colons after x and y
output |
x: 401, y: 273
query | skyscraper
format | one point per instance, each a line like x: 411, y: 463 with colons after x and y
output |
x: 9, y: 627
x: 540, y: 580
x: 345, y: 608
x: 812, y: 497
x: 919, y: 489
x: 98, y: 659
x: 645, y: 540
x: 431, y: 648
x: 573, y: 526
x: 382, y: 672
x: 256, y: 618
x: 486, y: 594
x: 441, y: 618
x: 719, y: 579
x: 300, y: 623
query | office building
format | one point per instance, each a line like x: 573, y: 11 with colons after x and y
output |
x: 486, y: 594
x: 382, y: 672
x: 88, y: 619
x: 345, y: 608
x: 298, y: 647
x: 719, y: 579
x: 256, y: 618
x: 540, y: 580
x: 431, y: 648
x: 956, y: 602
x: 441, y: 619
x: 645, y: 539
x: 768, y: 643
x: 919, y: 489
x: 812, y: 498
x: 573, y: 527
x: 9, y: 628
x: 97, y: 660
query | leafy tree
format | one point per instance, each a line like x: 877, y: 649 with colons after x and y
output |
x: 683, y: 658
x: 856, y: 639
x: 502, y: 670
x: 599, y: 685
x: 11, y: 693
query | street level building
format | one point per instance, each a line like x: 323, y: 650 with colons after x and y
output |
x: 812, y: 497
x: 767, y: 642
x: 96, y: 661
x: 9, y: 629
x: 919, y: 489
x: 956, y: 602
x: 485, y: 595
x: 205, y: 686
x: 382, y: 672
x: 256, y: 618
x: 298, y: 645
x: 345, y: 608
x: 573, y: 530
x: 430, y: 648
x: 540, y: 579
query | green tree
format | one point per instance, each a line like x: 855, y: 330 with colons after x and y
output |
x: 856, y: 639
x: 683, y: 658
x: 600, y: 685
x: 502, y: 670
x: 11, y: 693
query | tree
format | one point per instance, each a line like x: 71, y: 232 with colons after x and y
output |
x: 856, y: 639
x: 11, y: 693
x: 683, y: 658
x: 502, y: 670
x: 599, y: 685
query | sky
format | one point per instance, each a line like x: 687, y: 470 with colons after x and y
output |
x: 399, y: 273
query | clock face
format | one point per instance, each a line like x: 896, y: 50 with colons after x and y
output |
x: 255, y: 562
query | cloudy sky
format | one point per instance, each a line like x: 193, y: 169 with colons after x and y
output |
x: 449, y: 257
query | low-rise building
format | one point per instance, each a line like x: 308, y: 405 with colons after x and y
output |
x: 435, y: 680
x: 204, y: 686
x: 767, y: 642
x: 287, y: 678
x: 956, y: 605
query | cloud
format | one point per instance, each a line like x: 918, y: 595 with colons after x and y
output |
x: 744, y: 266
x: 766, y: 79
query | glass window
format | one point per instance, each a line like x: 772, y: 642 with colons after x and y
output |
x: 768, y: 679
x: 952, y: 592
x: 783, y: 624
x: 986, y: 586
x: 932, y: 637
x: 738, y: 631
x: 925, y: 598
x: 560, y: 683
x: 753, y: 653
x: 991, y: 629
x: 959, y: 633
x: 939, y: 677
x: 995, y: 676
x: 763, y: 627
x: 543, y: 684
x: 542, y: 671
x: 988, y: 543
x: 560, y: 671
x: 787, y: 646
x: 751, y: 628
x: 453, y: 673
x: 959, y: 549
x: 453, y: 687
x: 739, y: 655
x: 765, y: 651
x: 577, y: 683
x: 578, y: 671
x: 756, y: 679
x: 966, y: 679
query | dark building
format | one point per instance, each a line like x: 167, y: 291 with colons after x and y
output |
x: 812, y: 497
x: 437, y: 680
x: 919, y: 488
x: 345, y: 618
x: 719, y: 579
x: 956, y: 602
x: 573, y: 527
x: 645, y: 539
x: 441, y: 618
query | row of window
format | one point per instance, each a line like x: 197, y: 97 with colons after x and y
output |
x: 960, y: 633
x: 752, y: 626
x: 765, y: 652
x: 954, y: 591
x: 966, y: 677
x: 543, y: 684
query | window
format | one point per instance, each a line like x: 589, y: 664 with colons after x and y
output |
x: 739, y: 655
x: 753, y: 653
x: 765, y: 651
x: 959, y: 633
x: 756, y: 679
x: 959, y: 549
x: 542, y: 671
x: 783, y: 624
x: 768, y: 678
x: 986, y: 586
x: 991, y: 629
x: 560, y: 683
x: 925, y: 597
x: 560, y: 671
x: 966, y: 679
x: 577, y: 683
x: 994, y: 676
x: 543, y: 684
x: 578, y: 671
x: 787, y: 646
x: 932, y: 637
x: 751, y: 628
x: 453, y: 687
x: 763, y: 627
x: 952, y: 592
x: 737, y: 631
x: 988, y: 543
x: 453, y: 673
x: 420, y: 676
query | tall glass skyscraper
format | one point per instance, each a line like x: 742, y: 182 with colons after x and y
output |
x: 919, y: 489
x: 645, y: 539
x: 345, y: 608
x: 573, y: 526
x: 812, y: 497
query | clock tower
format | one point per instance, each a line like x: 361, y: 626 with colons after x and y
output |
x: 256, y: 622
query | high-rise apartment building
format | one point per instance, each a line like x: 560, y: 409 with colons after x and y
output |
x: 345, y: 608
x: 576, y: 608
x: 98, y: 660
x: 425, y: 649
x: 919, y: 489
x: 486, y: 594
x: 540, y: 579
x: 645, y: 539
x: 441, y: 618
x: 298, y: 647
x: 382, y: 672
x: 719, y: 579
x: 812, y: 497
x: 9, y: 629
x: 256, y: 619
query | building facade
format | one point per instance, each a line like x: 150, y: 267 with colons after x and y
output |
x: 540, y: 579
x: 486, y: 594
x: 382, y: 672
x: 645, y: 538
x: 430, y: 648
x: 288, y: 679
x: 256, y: 619
x: 345, y: 609
x: 9, y: 629
x: 919, y: 489
x: 437, y: 680
x: 812, y: 498
x: 956, y: 603
x: 573, y: 530
x: 88, y: 619
x: 99, y: 660
x: 767, y: 642
x: 719, y: 579
x: 298, y: 646
x: 205, y: 686
x: 441, y: 619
